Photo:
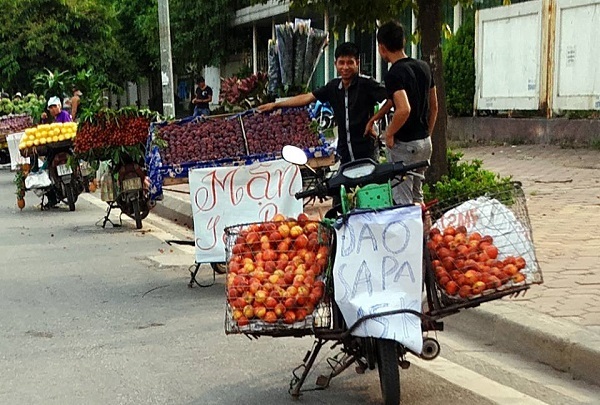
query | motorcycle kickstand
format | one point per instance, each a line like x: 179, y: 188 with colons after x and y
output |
x: 323, y: 380
x: 107, y: 217
x: 309, y: 360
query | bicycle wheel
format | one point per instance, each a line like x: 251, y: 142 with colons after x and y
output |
x: 389, y: 372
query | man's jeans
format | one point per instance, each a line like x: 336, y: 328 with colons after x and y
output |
x: 411, y: 189
x: 201, y: 111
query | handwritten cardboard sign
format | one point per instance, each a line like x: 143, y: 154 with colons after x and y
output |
x: 224, y: 196
x: 378, y: 268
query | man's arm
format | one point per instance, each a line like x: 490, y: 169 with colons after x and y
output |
x: 433, y: 109
x: 400, y: 116
x: 296, y: 101
x: 74, y: 106
x: 379, y: 115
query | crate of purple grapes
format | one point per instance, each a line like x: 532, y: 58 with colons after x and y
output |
x: 176, y: 147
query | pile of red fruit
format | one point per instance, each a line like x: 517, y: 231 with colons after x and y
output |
x: 202, y: 141
x: 275, y: 271
x: 466, y: 265
x: 269, y: 133
x: 105, y: 131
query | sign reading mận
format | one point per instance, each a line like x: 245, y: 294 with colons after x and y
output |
x: 379, y: 268
x: 225, y: 196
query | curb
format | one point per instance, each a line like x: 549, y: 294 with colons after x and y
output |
x: 175, y: 208
x: 562, y: 345
x: 557, y: 343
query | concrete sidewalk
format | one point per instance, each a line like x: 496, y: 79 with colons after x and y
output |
x: 557, y: 323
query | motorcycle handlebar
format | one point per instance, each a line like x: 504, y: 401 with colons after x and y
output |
x: 306, y: 194
x: 413, y: 166
x: 383, y: 173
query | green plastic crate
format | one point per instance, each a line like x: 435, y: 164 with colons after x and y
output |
x: 375, y: 196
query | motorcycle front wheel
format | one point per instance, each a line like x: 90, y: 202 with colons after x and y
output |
x: 325, y: 122
x: 389, y: 372
x: 220, y: 268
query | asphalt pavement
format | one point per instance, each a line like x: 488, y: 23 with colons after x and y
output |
x: 104, y: 316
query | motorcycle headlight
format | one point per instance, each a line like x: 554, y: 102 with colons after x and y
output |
x: 358, y: 171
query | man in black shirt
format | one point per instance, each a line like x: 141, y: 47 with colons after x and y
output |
x: 352, y: 97
x: 203, y: 97
x: 411, y: 90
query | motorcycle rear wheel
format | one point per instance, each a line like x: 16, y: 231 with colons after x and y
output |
x: 136, y: 213
x: 71, y: 195
x: 389, y: 372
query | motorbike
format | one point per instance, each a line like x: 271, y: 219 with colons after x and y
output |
x: 357, y: 324
x: 4, y: 156
x: 366, y: 352
x: 124, y: 186
x: 323, y: 113
x: 65, y: 176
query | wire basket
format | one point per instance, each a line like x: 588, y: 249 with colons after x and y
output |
x: 481, y: 245
x: 276, y: 277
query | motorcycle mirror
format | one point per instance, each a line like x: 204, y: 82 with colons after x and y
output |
x: 294, y: 155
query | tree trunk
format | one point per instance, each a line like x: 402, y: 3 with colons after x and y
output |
x: 430, y: 24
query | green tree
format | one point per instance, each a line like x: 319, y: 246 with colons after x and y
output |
x: 138, y: 34
x: 59, y: 35
x: 459, y: 70
x: 201, y: 32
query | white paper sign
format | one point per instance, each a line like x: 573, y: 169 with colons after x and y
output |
x: 378, y: 268
x: 16, y: 159
x: 224, y: 196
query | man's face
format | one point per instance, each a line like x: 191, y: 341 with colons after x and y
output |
x: 347, y: 66
x: 54, y: 110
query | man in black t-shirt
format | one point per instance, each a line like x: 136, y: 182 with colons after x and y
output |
x: 411, y: 90
x: 352, y: 97
x: 203, y: 97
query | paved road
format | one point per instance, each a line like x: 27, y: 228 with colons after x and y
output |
x: 104, y: 316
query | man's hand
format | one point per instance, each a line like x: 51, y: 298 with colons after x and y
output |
x: 369, y: 129
x: 44, y: 116
x: 266, y: 107
x: 389, y: 139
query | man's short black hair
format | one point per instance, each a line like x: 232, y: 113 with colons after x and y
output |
x: 200, y: 79
x: 391, y: 35
x: 347, y: 49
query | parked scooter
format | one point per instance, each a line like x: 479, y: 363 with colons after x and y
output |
x: 123, y: 186
x: 364, y: 352
x: 323, y: 113
x: 65, y: 178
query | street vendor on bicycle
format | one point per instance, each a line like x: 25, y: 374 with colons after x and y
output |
x: 353, y: 98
